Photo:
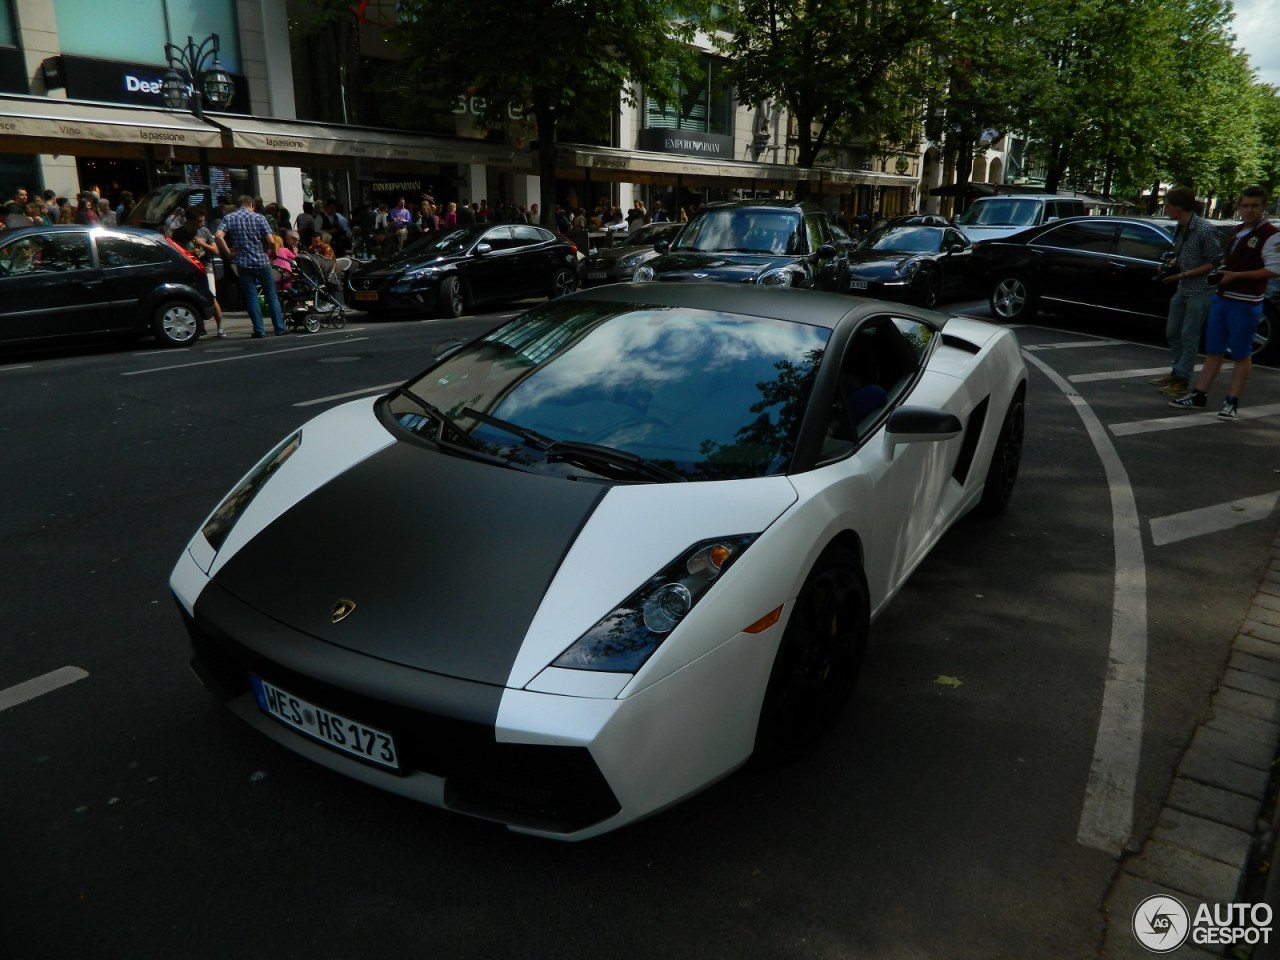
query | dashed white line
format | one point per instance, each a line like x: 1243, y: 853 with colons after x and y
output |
x: 39, y: 686
x: 1206, y: 520
x: 348, y: 394
x: 1122, y: 374
x: 242, y: 356
x: 1106, y: 820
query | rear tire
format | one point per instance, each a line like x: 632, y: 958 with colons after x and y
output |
x: 563, y: 282
x: 1012, y: 299
x: 818, y: 659
x: 176, y: 323
x: 1002, y: 473
x: 312, y: 323
x: 449, y: 301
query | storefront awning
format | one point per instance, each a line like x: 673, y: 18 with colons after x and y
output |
x: 45, y: 118
x: 331, y: 141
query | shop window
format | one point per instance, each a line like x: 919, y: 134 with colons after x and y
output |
x: 8, y: 35
x: 140, y: 37
x: 704, y: 103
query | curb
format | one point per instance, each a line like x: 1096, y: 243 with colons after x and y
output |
x: 1214, y: 826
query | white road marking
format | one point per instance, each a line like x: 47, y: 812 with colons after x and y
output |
x: 1106, y: 820
x: 1122, y: 374
x: 242, y: 356
x: 1196, y: 418
x: 1074, y: 344
x: 1220, y: 516
x: 39, y: 686
x: 17, y: 366
x: 349, y: 393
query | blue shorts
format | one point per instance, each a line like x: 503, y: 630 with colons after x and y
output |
x: 1231, y: 326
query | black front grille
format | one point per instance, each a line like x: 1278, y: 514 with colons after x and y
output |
x: 547, y: 787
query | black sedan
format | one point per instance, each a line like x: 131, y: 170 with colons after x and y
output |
x: 451, y: 272
x: 67, y: 282
x: 910, y: 260
x: 618, y: 264
x: 1102, y: 265
x: 773, y: 243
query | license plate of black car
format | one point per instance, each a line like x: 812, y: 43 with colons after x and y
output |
x: 366, y: 294
x: 332, y: 729
x: 857, y: 284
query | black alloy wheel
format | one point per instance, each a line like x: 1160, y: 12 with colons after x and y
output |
x: 450, y: 301
x: 563, y: 282
x: 1012, y: 298
x: 931, y: 287
x: 818, y: 658
x: 1002, y: 473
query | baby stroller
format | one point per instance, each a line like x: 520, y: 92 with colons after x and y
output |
x: 311, y: 294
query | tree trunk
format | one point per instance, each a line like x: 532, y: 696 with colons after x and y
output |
x: 964, y: 168
x: 546, y: 119
x: 805, y: 152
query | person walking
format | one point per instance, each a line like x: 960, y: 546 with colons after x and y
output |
x: 1196, y: 251
x: 244, y: 238
x: 1253, y: 258
x: 196, y: 238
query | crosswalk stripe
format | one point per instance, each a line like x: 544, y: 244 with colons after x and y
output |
x: 1220, y: 516
x: 1197, y: 419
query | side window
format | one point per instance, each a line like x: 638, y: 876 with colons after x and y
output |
x: 117, y: 250
x: 819, y: 231
x: 1142, y: 242
x: 952, y: 237
x: 47, y: 253
x: 526, y: 235
x: 499, y: 238
x: 1082, y: 235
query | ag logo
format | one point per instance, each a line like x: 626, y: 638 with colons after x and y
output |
x: 1161, y: 924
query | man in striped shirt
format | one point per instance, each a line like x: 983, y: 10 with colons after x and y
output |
x: 245, y: 239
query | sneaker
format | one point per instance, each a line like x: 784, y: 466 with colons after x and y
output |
x: 1164, y: 381
x: 1228, y: 411
x: 1195, y: 400
x: 1175, y: 388
x: 220, y: 334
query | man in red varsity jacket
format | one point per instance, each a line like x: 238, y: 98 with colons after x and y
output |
x: 1253, y: 258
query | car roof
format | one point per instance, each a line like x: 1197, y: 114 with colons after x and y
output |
x: 814, y: 307
x: 803, y: 205
x: 6, y: 236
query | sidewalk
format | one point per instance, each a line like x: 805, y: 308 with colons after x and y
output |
x: 1215, y: 839
x: 237, y: 325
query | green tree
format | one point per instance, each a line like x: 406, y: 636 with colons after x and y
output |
x: 549, y: 57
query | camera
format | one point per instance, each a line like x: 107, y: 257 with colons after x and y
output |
x: 1213, y: 277
x: 1168, y: 266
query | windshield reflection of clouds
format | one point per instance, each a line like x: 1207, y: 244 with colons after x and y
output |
x: 708, y: 394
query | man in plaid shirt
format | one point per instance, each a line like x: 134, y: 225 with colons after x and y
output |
x: 244, y: 237
x: 1197, y: 250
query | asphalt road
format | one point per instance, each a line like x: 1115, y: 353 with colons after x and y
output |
x: 951, y: 814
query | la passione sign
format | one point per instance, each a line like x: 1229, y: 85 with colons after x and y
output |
x: 689, y: 143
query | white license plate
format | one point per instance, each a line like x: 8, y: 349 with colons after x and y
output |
x: 366, y: 294
x: 596, y: 274
x: 332, y: 729
x: 857, y: 284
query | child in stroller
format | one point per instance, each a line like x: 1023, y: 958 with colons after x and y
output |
x: 310, y: 288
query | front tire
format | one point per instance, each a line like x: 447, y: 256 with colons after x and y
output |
x: 1012, y: 299
x: 931, y: 289
x: 818, y: 659
x: 1002, y: 473
x: 450, y: 302
x: 176, y: 323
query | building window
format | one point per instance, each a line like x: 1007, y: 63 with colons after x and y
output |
x: 141, y: 36
x: 704, y: 105
x: 8, y: 35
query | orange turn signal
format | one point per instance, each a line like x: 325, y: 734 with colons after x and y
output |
x: 765, y: 622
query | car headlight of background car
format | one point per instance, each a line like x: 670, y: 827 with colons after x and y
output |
x: 224, y: 518
x: 416, y: 277
x: 644, y: 272
x: 909, y: 269
x: 778, y: 277
x: 626, y: 636
x: 631, y: 261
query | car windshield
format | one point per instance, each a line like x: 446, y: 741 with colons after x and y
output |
x: 458, y: 240
x: 648, y: 235
x: 743, y: 230
x: 1001, y: 212
x: 693, y: 394
x: 888, y: 239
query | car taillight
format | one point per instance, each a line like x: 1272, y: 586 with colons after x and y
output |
x: 186, y: 253
x: 573, y: 248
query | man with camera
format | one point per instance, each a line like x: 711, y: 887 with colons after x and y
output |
x: 1196, y: 251
x: 1253, y: 258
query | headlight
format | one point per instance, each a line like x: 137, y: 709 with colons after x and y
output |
x: 417, y: 274
x: 628, y: 262
x: 909, y: 269
x: 779, y: 277
x: 625, y: 637
x: 224, y: 518
x: 644, y: 272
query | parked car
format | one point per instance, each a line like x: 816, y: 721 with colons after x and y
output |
x: 1003, y: 215
x: 776, y: 243
x: 1105, y: 265
x: 74, y: 282
x: 453, y: 272
x: 904, y: 259
x: 154, y: 208
x: 593, y: 561
x: 617, y: 264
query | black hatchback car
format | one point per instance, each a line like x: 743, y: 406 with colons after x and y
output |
x: 773, y: 243
x: 1105, y: 265
x: 77, y: 282
x: 450, y: 272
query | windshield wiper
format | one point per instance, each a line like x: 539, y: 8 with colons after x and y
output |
x: 440, y: 417
x: 608, y: 460
x: 531, y: 437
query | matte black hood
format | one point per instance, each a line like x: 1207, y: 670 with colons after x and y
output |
x: 445, y: 559
x: 741, y: 267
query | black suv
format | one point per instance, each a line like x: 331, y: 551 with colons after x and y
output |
x: 774, y: 243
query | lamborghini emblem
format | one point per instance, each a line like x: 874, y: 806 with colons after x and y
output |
x: 341, y: 610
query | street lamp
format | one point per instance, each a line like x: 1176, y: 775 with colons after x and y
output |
x: 211, y: 83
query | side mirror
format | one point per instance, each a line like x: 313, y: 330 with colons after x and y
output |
x: 662, y: 246
x: 919, y: 425
x: 826, y: 251
x: 482, y: 249
x: 955, y: 248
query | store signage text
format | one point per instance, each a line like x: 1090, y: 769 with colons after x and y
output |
x: 476, y: 106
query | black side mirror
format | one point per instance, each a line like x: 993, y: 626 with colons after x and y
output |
x: 826, y: 251
x: 662, y: 246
